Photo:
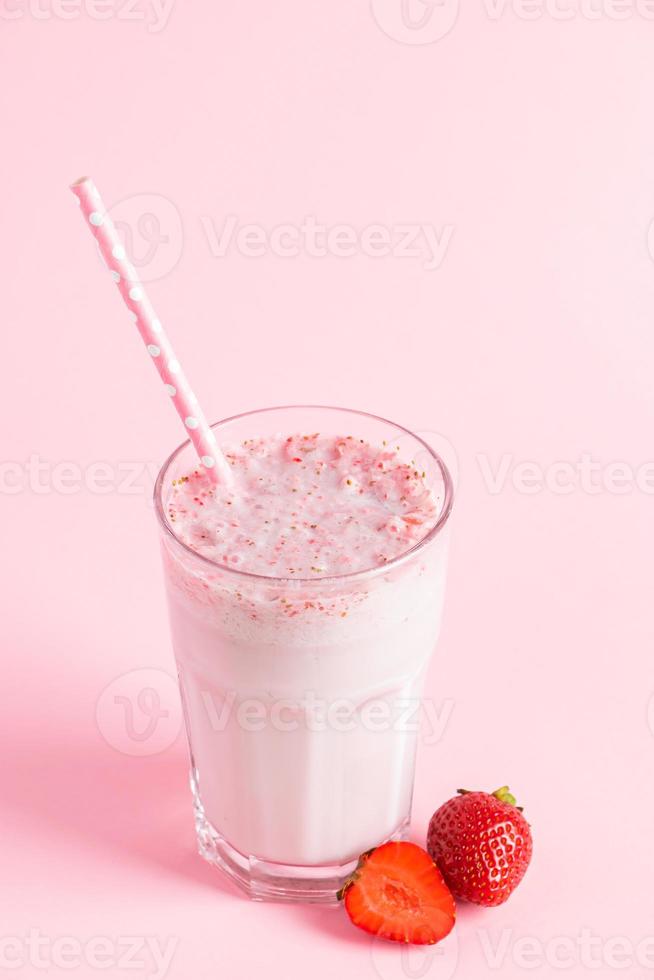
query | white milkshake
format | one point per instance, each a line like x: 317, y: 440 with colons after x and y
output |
x: 305, y: 603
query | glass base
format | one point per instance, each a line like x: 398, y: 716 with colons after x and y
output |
x: 267, y: 881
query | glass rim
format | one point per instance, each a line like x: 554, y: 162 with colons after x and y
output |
x: 272, y: 580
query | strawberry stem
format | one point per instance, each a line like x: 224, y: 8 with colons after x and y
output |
x: 502, y: 794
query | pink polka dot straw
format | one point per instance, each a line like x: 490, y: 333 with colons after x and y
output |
x: 157, y: 343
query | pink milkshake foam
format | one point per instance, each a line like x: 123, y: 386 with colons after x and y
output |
x: 304, y: 506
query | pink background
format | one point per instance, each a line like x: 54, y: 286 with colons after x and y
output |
x: 532, y: 139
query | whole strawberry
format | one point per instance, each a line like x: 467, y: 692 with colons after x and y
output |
x: 482, y: 844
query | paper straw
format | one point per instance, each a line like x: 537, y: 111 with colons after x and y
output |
x: 158, y: 345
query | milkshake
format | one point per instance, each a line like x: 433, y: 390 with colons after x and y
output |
x: 305, y: 600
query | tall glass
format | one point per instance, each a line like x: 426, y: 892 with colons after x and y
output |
x: 301, y: 695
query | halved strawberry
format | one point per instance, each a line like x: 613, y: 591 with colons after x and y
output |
x: 398, y: 893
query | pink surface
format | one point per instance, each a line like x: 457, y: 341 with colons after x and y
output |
x: 518, y: 151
